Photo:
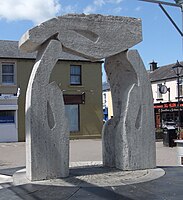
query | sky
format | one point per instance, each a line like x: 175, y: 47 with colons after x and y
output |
x: 161, y: 41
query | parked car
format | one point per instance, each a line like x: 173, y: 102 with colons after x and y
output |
x: 169, y: 124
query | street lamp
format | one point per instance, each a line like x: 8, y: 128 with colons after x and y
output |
x: 177, y: 68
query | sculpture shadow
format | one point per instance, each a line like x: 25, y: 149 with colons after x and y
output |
x: 10, y: 171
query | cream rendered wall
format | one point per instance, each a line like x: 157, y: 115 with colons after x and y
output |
x: 172, y: 84
x: 110, y: 106
x: 90, y: 112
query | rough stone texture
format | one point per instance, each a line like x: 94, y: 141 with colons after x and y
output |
x: 128, y: 138
x: 94, y: 175
x: 47, y: 134
x: 90, y: 36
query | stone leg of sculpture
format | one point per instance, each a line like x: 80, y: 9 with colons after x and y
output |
x: 47, y: 134
x: 131, y: 130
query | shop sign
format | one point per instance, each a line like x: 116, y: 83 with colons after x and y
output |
x: 167, y: 105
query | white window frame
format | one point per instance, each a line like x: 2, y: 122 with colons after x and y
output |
x: 4, y: 62
x: 180, y: 87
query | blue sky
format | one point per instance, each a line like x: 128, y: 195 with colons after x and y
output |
x: 161, y: 41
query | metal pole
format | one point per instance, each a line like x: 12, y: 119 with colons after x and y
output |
x: 171, y: 20
x: 169, y: 94
x: 178, y: 99
x: 162, y: 2
x: 182, y: 25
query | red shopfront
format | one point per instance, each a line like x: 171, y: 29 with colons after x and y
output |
x: 167, y: 112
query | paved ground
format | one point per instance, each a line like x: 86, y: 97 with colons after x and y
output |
x: 168, y: 187
x: 12, y: 155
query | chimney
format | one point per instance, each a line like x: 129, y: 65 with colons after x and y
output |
x: 153, y: 66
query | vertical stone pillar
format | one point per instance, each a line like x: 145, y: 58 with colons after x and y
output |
x: 128, y: 138
x: 47, y: 134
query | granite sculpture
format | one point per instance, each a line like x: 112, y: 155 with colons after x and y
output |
x: 128, y: 138
x: 47, y: 134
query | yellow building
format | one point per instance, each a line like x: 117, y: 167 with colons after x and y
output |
x: 79, y: 79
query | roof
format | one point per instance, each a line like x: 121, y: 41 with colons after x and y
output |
x: 9, y: 49
x: 163, y: 73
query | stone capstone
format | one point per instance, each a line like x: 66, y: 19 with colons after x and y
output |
x: 91, y: 36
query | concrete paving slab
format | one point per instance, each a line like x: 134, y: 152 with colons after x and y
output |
x: 12, y: 155
x: 168, y: 187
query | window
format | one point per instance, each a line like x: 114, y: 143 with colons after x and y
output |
x: 159, y: 94
x: 72, y: 113
x: 75, y: 75
x: 7, y: 116
x: 8, y: 73
x: 180, y: 87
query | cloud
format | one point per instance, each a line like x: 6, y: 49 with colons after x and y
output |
x: 138, y: 8
x: 34, y: 10
x: 69, y: 9
x: 90, y: 9
x: 114, y: 1
x: 117, y: 10
x: 93, y: 7
x: 98, y: 4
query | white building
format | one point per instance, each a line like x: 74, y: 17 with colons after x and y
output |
x: 165, y: 93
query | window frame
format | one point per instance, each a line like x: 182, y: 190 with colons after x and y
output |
x: 8, y: 74
x: 159, y: 94
x: 76, y: 75
x: 180, y: 87
x: 8, y: 121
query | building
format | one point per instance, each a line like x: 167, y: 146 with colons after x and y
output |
x: 165, y: 94
x: 79, y: 79
x: 107, y: 101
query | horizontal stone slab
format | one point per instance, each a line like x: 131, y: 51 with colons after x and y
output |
x: 91, y: 36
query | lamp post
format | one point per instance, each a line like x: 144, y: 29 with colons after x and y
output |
x: 177, y: 68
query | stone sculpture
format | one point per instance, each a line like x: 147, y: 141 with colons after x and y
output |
x: 128, y: 138
x: 47, y: 134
